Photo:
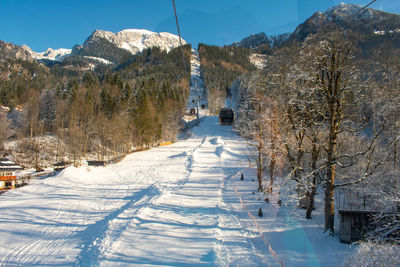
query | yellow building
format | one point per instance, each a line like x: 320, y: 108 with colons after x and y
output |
x: 8, y: 177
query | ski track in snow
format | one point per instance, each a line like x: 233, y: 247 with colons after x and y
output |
x: 169, y: 205
x: 164, y: 206
x: 174, y: 205
x: 115, y: 222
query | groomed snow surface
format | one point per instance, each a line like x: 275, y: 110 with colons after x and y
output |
x: 177, y: 205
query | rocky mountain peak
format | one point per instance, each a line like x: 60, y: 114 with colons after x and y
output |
x: 343, y: 10
x: 15, y: 51
x: 351, y: 11
x: 348, y: 16
x: 135, y: 40
x: 254, y: 40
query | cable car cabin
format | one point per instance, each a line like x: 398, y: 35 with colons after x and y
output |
x: 8, y: 177
x: 226, y: 116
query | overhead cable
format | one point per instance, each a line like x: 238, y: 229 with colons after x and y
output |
x: 364, y: 8
x: 179, y: 34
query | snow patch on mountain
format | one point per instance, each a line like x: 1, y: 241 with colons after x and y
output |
x: 102, y: 60
x: 347, y: 10
x: 380, y: 32
x: 135, y: 40
x: 49, y: 54
x: 258, y: 60
x: 343, y: 9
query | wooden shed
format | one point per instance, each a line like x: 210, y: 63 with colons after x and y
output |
x: 355, y: 224
x: 357, y: 210
x: 8, y: 177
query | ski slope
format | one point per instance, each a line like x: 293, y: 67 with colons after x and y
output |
x: 177, y: 205
x: 198, y: 92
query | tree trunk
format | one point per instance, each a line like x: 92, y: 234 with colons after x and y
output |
x: 311, y: 205
x: 273, y: 152
x: 36, y: 157
x: 259, y: 166
x: 299, y: 162
x: 273, y: 160
x: 272, y: 171
x: 331, y: 166
x: 314, y: 158
x: 395, y: 156
x: 329, y: 201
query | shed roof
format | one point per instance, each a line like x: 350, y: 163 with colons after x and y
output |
x: 8, y: 165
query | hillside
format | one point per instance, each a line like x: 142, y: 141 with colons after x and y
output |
x: 220, y: 66
x: 82, y: 96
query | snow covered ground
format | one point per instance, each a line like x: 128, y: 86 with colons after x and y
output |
x: 177, y: 205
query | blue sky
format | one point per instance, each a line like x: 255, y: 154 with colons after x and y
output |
x: 62, y: 23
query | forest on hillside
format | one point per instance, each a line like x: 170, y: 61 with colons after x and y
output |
x: 220, y: 66
x: 102, y: 112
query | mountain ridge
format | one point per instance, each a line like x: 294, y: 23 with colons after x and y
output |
x: 369, y: 22
x: 131, y: 41
x: 135, y: 40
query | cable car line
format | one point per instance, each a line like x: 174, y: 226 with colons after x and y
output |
x: 179, y: 34
x: 177, y: 23
x: 365, y: 7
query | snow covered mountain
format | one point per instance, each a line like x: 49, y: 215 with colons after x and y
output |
x: 135, y: 40
x: 343, y: 10
x: 26, y: 53
x: 117, y: 47
x: 102, y: 46
x: 374, y: 25
x: 348, y: 16
x: 52, y: 54
x: 49, y: 54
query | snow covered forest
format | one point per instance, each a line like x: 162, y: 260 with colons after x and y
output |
x: 325, y: 118
x: 308, y: 174
x: 322, y: 116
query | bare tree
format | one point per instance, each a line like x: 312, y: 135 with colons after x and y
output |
x: 303, y: 127
x: 32, y: 113
x: 3, y: 129
x: 257, y: 120
x: 339, y: 88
